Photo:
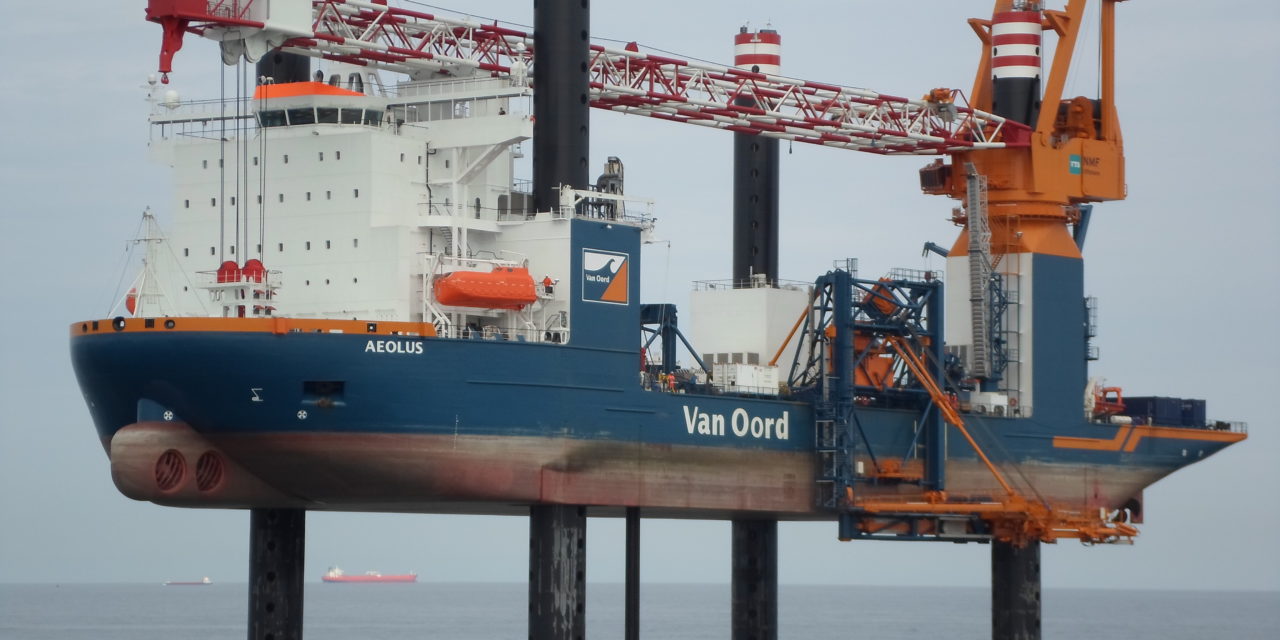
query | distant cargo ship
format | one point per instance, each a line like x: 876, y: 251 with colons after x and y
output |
x: 197, y: 583
x: 334, y: 574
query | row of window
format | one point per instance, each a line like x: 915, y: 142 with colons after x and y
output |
x: 213, y: 202
x: 328, y: 244
x: 321, y: 115
x: 337, y: 155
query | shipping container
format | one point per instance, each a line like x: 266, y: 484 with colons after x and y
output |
x: 1156, y: 410
x: 1193, y: 414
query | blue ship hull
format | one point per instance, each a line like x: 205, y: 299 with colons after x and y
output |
x: 347, y: 421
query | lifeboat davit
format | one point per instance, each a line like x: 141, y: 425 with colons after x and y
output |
x: 502, y: 288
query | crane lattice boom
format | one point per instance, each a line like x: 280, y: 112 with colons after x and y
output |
x: 626, y: 80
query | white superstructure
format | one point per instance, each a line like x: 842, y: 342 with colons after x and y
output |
x: 357, y: 198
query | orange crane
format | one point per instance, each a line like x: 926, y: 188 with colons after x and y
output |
x: 1075, y: 152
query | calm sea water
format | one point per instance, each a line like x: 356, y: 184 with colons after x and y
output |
x: 484, y: 611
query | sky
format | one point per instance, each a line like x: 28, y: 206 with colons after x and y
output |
x: 1185, y: 270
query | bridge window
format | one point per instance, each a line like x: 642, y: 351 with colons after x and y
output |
x: 351, y: 116
x: 372, y: 118
x: 327, y: 115
x: 270, y: 119
x: 302, y: 116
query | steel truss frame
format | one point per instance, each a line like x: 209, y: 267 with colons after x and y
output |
x: 850, y: 323
x: 626, y: 80
x: 904, y: 318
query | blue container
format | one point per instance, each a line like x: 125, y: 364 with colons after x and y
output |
x: 1193, y: 414
x: 1157, y: 410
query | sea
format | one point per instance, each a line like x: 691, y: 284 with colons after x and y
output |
x: 473, y: 611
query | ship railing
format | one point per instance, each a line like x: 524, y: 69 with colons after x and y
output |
x: 743, y: 390
x: 271, y: 280
x: 754, y: 282
x: 495, y: 333
x: 913, y: 275
x: 468, y: 88
x: 1232, y: 426
x: 603, y: 205
x: 210, y: 110
x: 514, y: 205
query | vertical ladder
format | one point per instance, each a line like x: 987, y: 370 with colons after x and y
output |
x: 979, y: 271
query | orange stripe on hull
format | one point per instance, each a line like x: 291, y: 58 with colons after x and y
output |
x: 1127, y: 438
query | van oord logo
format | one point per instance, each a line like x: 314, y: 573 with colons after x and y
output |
x: 604, y: 276
x: 1087, y: 165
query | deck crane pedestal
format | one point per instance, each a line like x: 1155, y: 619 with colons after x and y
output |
x: 1024, y: 160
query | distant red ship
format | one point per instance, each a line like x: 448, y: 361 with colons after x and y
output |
x: 334, y: 574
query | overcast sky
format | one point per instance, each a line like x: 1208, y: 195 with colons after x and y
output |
x: 1185, y: 270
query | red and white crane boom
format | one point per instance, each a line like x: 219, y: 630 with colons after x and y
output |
x: 424, y: 45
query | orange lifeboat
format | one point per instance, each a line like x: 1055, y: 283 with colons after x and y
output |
x: 502, y: 288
